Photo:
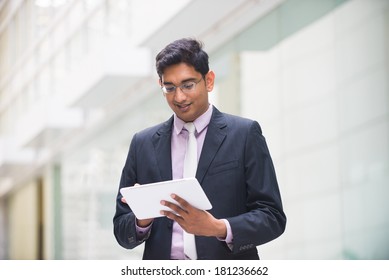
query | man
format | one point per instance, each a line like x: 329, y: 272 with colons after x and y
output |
x: 234, y: 169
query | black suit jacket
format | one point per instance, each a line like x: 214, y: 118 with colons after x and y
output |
x: 237, y: 174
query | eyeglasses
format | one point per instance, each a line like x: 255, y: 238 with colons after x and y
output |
x: 187, y: 87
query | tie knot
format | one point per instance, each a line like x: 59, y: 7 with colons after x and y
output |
x: 190, y: 127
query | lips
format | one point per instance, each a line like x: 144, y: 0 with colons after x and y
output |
x: 183, y: 107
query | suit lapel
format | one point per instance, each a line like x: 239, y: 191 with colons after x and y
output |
x: 216, y: 134
x: 162, y: 148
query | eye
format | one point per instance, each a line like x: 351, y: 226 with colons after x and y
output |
x: 188, y: 86
x: 170, y: 88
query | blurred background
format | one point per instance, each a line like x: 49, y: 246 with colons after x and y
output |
x: 77, y: 80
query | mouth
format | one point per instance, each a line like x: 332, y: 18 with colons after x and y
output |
x: 183, y: 107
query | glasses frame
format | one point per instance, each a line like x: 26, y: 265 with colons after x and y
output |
x: 182, y: 87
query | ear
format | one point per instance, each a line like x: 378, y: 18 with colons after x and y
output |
x: 160, y: 82
x: 210, y: 80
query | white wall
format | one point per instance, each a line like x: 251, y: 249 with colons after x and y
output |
x: 322, y: 98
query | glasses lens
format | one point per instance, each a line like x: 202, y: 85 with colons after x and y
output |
x: 169, y: 89
x: 188, y: 87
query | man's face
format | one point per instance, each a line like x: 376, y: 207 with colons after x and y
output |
x: 187, y: 106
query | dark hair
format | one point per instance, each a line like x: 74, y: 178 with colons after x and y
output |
x: 184, y: 50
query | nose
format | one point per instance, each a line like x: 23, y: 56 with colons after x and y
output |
x: 179, y: 96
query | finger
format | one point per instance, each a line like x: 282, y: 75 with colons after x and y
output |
x: 171, y: 215
x: 176, y: 208
x: 183, y: 203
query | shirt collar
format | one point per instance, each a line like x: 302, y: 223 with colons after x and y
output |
x: 200, y: 123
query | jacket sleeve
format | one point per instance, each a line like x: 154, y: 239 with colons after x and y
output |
x: 265, y: 219
x: 124, y: 219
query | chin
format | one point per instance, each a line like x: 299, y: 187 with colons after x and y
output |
x: 185, y: 117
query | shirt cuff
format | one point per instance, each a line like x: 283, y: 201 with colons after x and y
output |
x: 142, y: 232
x: 229, y: 237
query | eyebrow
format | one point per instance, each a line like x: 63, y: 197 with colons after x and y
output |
x: 182, y: 82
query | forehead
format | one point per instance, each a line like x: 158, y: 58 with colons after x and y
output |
x: 178, y: 73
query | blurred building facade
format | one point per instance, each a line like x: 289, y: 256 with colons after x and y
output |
x: 77, y: 80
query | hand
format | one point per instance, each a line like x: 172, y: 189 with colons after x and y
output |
x: 193, y: 220
x: 141, y: 223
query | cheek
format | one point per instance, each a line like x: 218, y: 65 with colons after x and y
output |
x: 203, y: 98
x: 170, y: 103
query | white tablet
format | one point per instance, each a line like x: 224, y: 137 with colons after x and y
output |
x: 145, y: 200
